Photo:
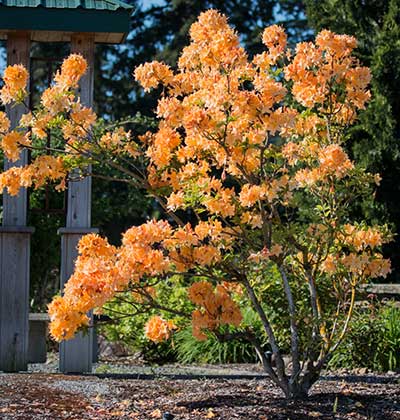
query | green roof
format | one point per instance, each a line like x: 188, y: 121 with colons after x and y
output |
x: 55, y: 20
x: 68, y: 4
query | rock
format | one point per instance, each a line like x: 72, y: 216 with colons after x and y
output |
x: 108, y: 349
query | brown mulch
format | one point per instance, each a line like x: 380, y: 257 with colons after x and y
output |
x: 54, y: 396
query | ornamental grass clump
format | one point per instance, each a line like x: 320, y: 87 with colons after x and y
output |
x: 253, y: 149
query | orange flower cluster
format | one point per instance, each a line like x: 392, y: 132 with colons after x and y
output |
x: 158, y: 329
x: 72, y: 69
x: 187, y: 249
x: 42, y: 169
x: 57, y: 100
x: 15, y: 81
x: 102, y: 270
x: 356, y: 253
x: 11, y: 144
x: 4, y: 123
x: 118, y: 142
x: 150, y: 75
x: 63, y: 320
x: 360, y: 239
x: 218, y: 308
x: 275, y: 38
x: 363, y: 266
x: 251, y: 194
x: 54, y: 100
x: 332, y: 161
x: 211, y: 72
x: 79, y: 125
x: 93, y: 283
x: 265, y: 254
x: 318, y: 69
x: 213, y: 44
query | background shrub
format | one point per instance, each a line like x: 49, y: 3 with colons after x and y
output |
x: 373, y: 340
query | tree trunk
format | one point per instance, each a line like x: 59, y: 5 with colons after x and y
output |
x: 298, y: 389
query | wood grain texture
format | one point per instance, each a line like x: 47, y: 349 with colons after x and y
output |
x: 14, y: 300
x: 15, y: 245
x: 15, y: 208
x: 79, y: 192
x: 76, y: 354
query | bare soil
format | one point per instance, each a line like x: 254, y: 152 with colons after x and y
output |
x: 54, y: 396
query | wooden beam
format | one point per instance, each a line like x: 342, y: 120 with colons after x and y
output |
x: 15, y: 245
x: 76, y: 354
x: 79, y: 193
x: 383, y: 289
x: 15, y: 208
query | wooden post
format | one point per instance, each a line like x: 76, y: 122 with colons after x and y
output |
x: 76, y: 354
x: 15, y: 244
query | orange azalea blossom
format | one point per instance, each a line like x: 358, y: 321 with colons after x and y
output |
x: 334, y: 44
x: 152, y: 74
x: 250, y: 194
x: 82, y: 119
x: 38, y: 123
x: 378, y: 267
x: 55, y: 100
x: 333, y: 159
x: 15, y: 80
x: 213, y: 44
x: 157, y: 329
x: 102, y: 270
x: 329, y: 266
x: 41, y: 170
x: 118, y: 141
x: 4, y: 123
x: 274, y: 37
x: 64, y: 320
x: 364, y: 265
x: 233, y: 287
x: 72, y: 69
x: 218, y: 308
x: 316, y: 66
x: 11, y: 143
x: 265, y: 254
x: 360, y: 239
x: 252, y: 218
x: 176, y: 200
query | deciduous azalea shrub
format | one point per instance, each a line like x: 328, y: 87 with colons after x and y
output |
x: 252, y: 150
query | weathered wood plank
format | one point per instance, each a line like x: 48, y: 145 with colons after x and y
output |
x: 76, y: 354
x: 15, y: 245
x: 79, y: 193
x: 383, y: 289
x: 15, y: 208
x: 14, y: 299
x: 40, y: 317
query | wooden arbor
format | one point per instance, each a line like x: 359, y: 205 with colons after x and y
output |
x: 82, y: 23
